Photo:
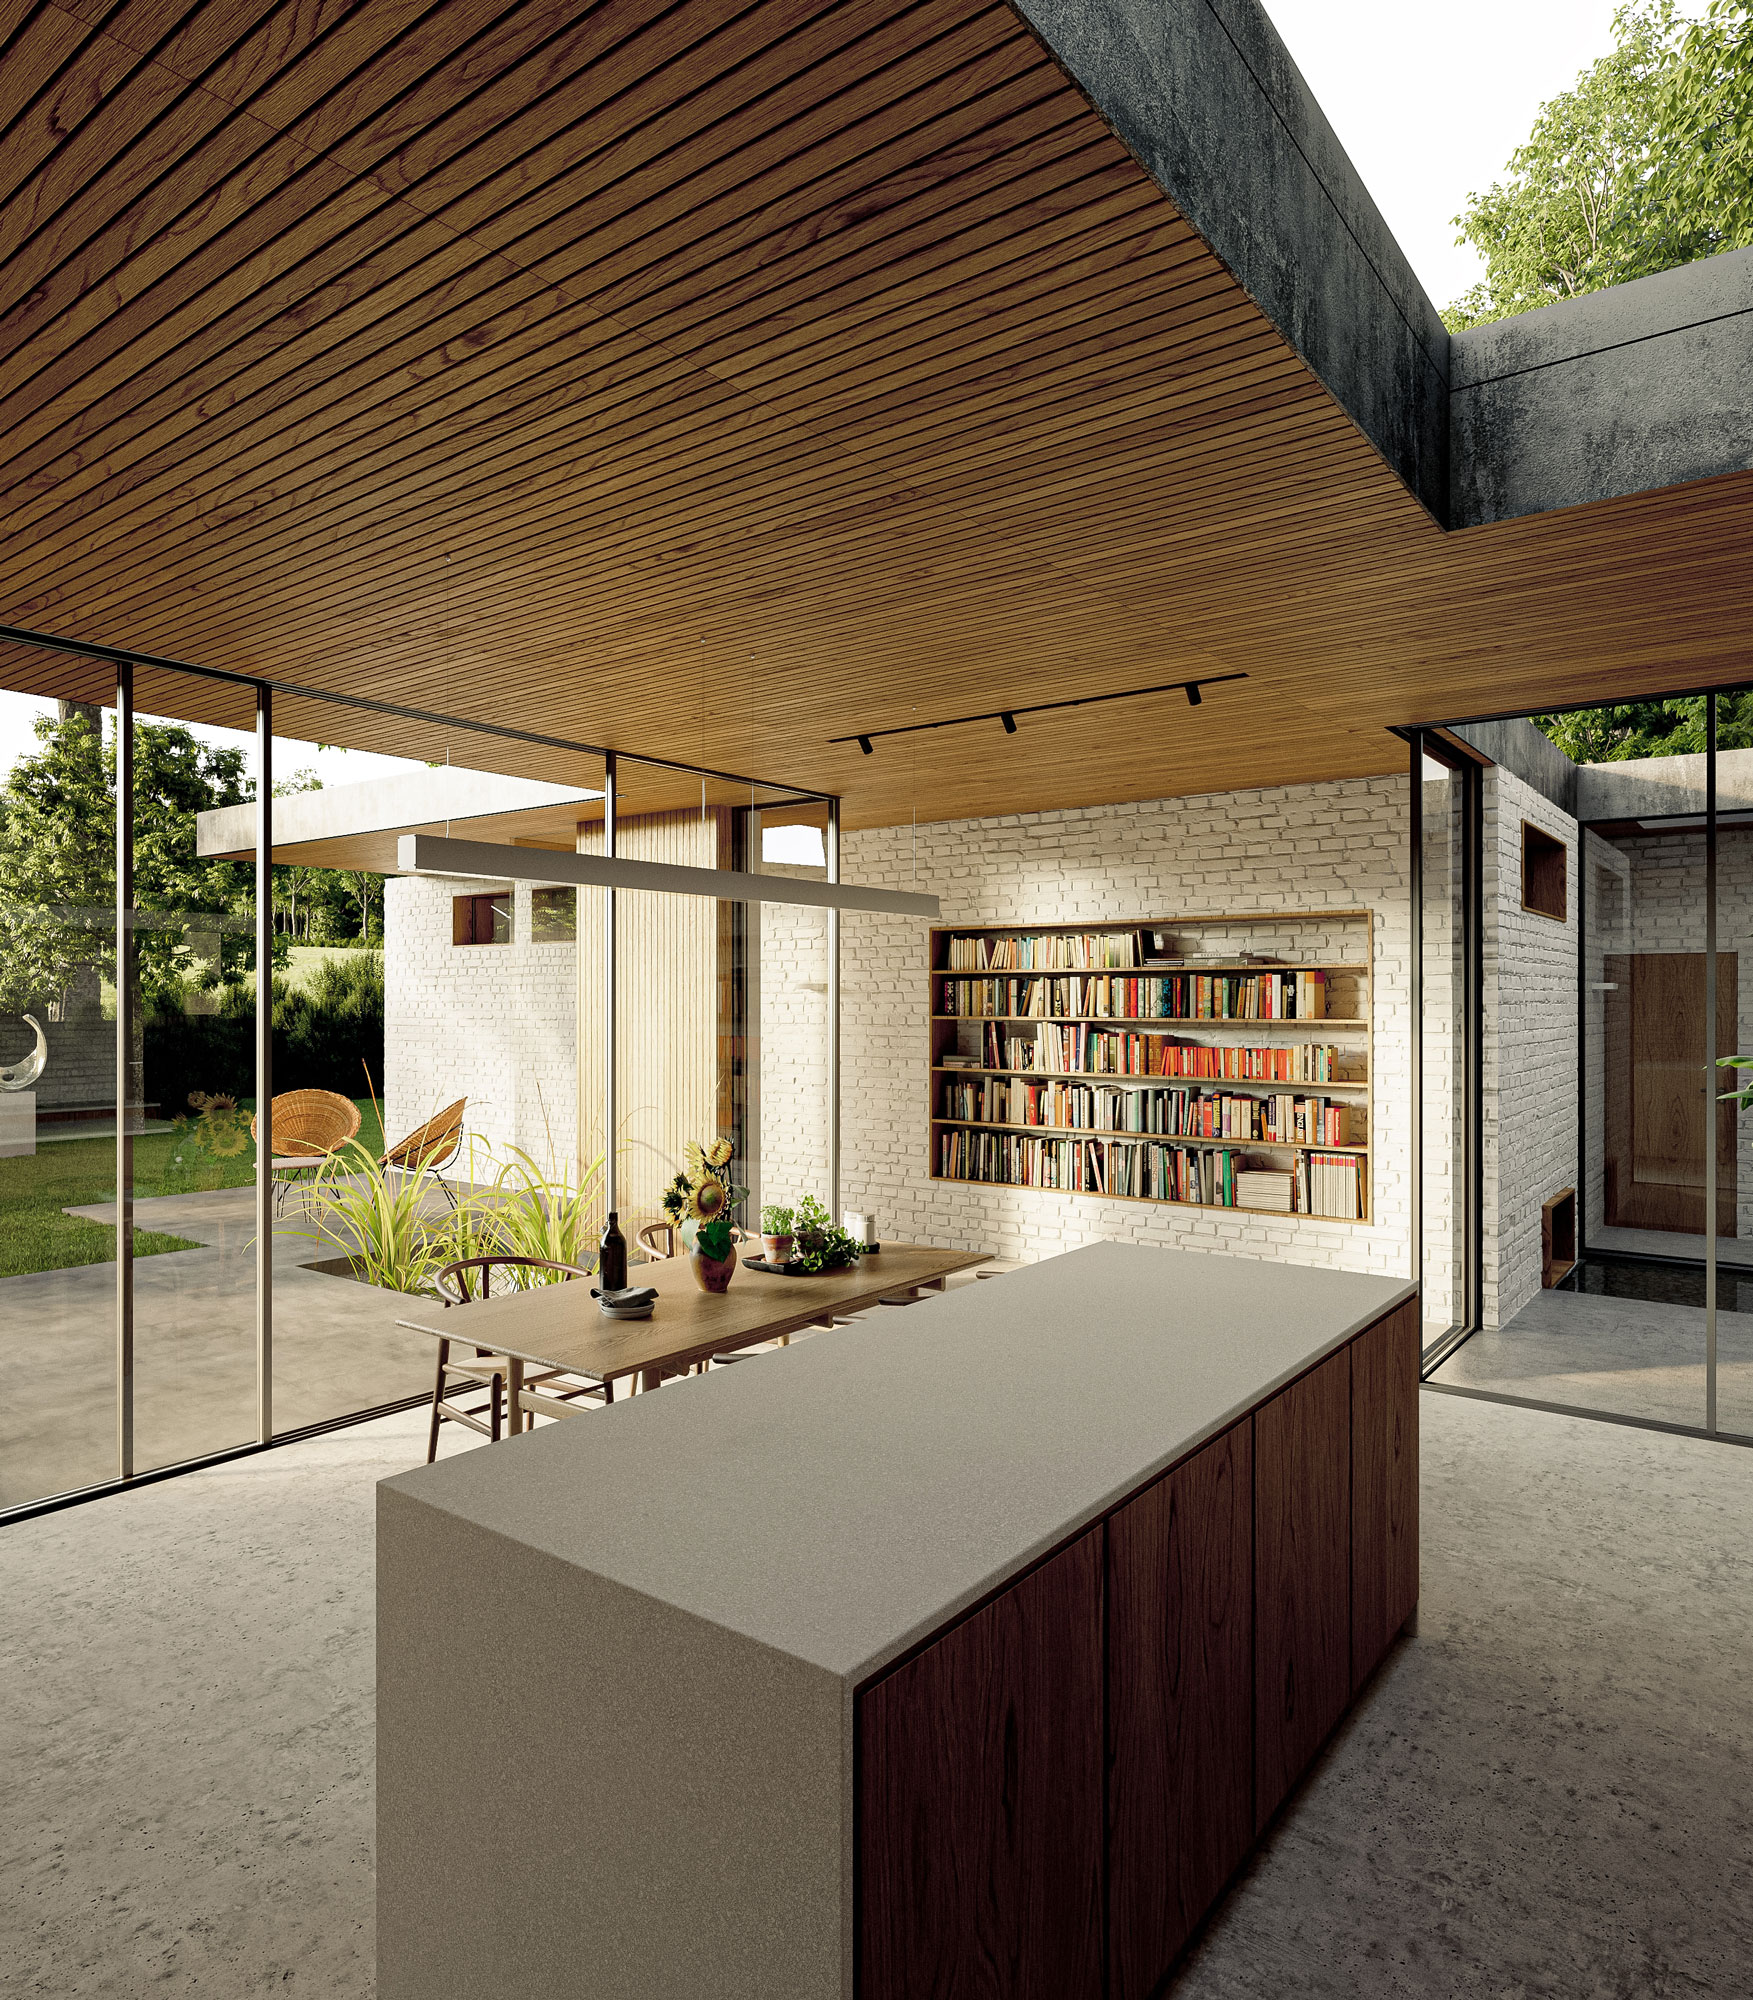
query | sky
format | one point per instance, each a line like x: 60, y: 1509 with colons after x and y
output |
x: 1431, y: 101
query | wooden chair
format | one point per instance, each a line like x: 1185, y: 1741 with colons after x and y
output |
x: 430, y: 1148
x: 308, y: 1126
x: 550, y: 1392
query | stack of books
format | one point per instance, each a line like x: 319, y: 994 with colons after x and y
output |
x: 1258, y: 1188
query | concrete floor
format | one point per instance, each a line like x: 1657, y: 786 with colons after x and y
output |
x: 1543, y: 1794
x: 336, y: 1347
x: 1629, y: 1357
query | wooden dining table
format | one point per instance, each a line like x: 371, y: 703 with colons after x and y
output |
x: 560, y: 1328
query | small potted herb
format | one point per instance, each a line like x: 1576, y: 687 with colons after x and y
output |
x: 819, y: 1245
x: 776, y: 1237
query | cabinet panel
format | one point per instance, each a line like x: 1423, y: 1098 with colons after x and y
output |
x: 980, y: 1801
x: 1384, y: 1486
x: 1302, y: 1575
x: 1180, y: 1705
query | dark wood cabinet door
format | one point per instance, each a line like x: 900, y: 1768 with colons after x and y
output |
x: 1302, y: 1575
x: 1384, y: 1486
x: 1180, y: 1705
x: 980, y: 1801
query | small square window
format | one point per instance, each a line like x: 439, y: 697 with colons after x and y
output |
x: 481, y: 919
x: 553, y: 915
x: 1545, y: 867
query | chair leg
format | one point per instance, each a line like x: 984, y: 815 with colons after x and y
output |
x: 437, y: 1398
x: 494, y: 1392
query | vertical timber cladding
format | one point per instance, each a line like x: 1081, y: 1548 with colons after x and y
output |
x: 675, y: 968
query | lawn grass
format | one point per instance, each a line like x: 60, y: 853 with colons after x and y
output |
x: 35, y: 1233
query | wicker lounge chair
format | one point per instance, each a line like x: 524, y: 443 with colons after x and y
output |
x: 308, y: 1126
x: 430, y: 1148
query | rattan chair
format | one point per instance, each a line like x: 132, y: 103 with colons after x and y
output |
x: 430, y: 1148
x: 308, y: 1126
x: 552, y: 1392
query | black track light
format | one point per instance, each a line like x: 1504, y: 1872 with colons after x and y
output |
x: 864, y: 745
x: 1194, y: 697
x: 1009, y: 722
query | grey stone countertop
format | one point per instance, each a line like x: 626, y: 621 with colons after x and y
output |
x: 840, y: 1499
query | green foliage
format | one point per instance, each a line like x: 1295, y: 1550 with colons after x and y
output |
x: 323, y: 1032
x: 1646, y: 163
x: 1668, y: 728
x: 57, y: 860
x: 776, y: 1221
x: 820, y: 1244
x: 325, y: 905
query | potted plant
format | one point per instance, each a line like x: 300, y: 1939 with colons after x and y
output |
x: 818, y: 1245
x: 699, y: 1201
x: 776, y: 1237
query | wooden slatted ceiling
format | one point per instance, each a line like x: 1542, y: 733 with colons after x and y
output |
x: 713, y: 380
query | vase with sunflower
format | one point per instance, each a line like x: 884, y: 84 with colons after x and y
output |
x: 699, y: 1203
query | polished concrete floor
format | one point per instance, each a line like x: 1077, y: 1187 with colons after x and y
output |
x: 1543, y: 1793
x: 1636, y: 1357
x: 337, y: 1347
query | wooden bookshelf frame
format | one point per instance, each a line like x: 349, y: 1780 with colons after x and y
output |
x: 1356, y: 1038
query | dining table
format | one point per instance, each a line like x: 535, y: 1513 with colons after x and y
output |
x: 560, y: 1330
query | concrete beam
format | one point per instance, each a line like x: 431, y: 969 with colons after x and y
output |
x: 1207, y: 99
x: 1663, y: 787
x: 1530, y: 753
x: 1642, y: 386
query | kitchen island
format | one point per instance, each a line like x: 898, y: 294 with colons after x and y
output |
x: 974, y: 1643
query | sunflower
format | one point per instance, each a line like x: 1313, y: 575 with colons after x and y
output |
x: 719, y: 1152
x: 708, y: 1199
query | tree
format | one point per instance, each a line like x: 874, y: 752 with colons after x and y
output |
x: 1673, y: 728
x: 57, y: 858
x: 1645, y: 164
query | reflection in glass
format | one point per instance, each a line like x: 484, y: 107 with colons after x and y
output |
x: 1443, y: 1049
x: 58, y: 1418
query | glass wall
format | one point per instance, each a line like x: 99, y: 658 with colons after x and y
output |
x: 1620, y: 1212
x: 58, y: 1151
x: 438, y: 1038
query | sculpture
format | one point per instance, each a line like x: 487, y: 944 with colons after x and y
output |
x: 23, y: 1075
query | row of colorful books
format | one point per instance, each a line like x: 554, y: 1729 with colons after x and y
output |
x: 1077, y: 1047
x: 1051, y: 951
x: 1153, y: 1171
x: 1182, y: 996
x: 1181, y: 1112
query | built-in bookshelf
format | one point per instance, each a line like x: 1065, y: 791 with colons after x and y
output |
x: 1213, y: 1062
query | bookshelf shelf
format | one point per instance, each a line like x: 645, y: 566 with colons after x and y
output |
x: 1156, y: 1138
x: 1333, y: 949
x: 1273, y: 1087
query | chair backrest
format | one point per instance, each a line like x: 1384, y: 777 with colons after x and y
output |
x: 432, y: 1145
x: 657, y: 1239
x: 311, y: 1123
x: 457, y: 1282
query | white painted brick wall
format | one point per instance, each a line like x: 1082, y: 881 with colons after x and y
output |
x: 1338, y: 846
x: 497, y: 1024
x: 1529, y: 1054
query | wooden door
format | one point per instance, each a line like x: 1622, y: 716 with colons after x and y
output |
x: 1180, y: 1705
x: 1384, y: 1486
x: 980, y: 1801
x: 1302, y: 1575
x: 1658, y: 1092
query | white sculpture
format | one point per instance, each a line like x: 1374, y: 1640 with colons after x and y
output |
x: 25, y: 1074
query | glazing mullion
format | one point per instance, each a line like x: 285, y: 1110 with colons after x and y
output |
x: 264, y: 1062
x: 1710, y: 1069
x: 125, y: 1007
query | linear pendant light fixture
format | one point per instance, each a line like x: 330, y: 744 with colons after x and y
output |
x: 433, y: 854
x: 866, y: 738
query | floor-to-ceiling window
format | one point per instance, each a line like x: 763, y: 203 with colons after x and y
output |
x: 167, y: 1292
x: 1618, y: 1274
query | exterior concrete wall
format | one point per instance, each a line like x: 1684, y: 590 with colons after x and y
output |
x: 1206, y: 97
x: 497, y: 1024
x: 1643, y: 385
x: 1529, y: 1045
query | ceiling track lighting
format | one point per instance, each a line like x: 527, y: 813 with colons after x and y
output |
x: 1192, y: 689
